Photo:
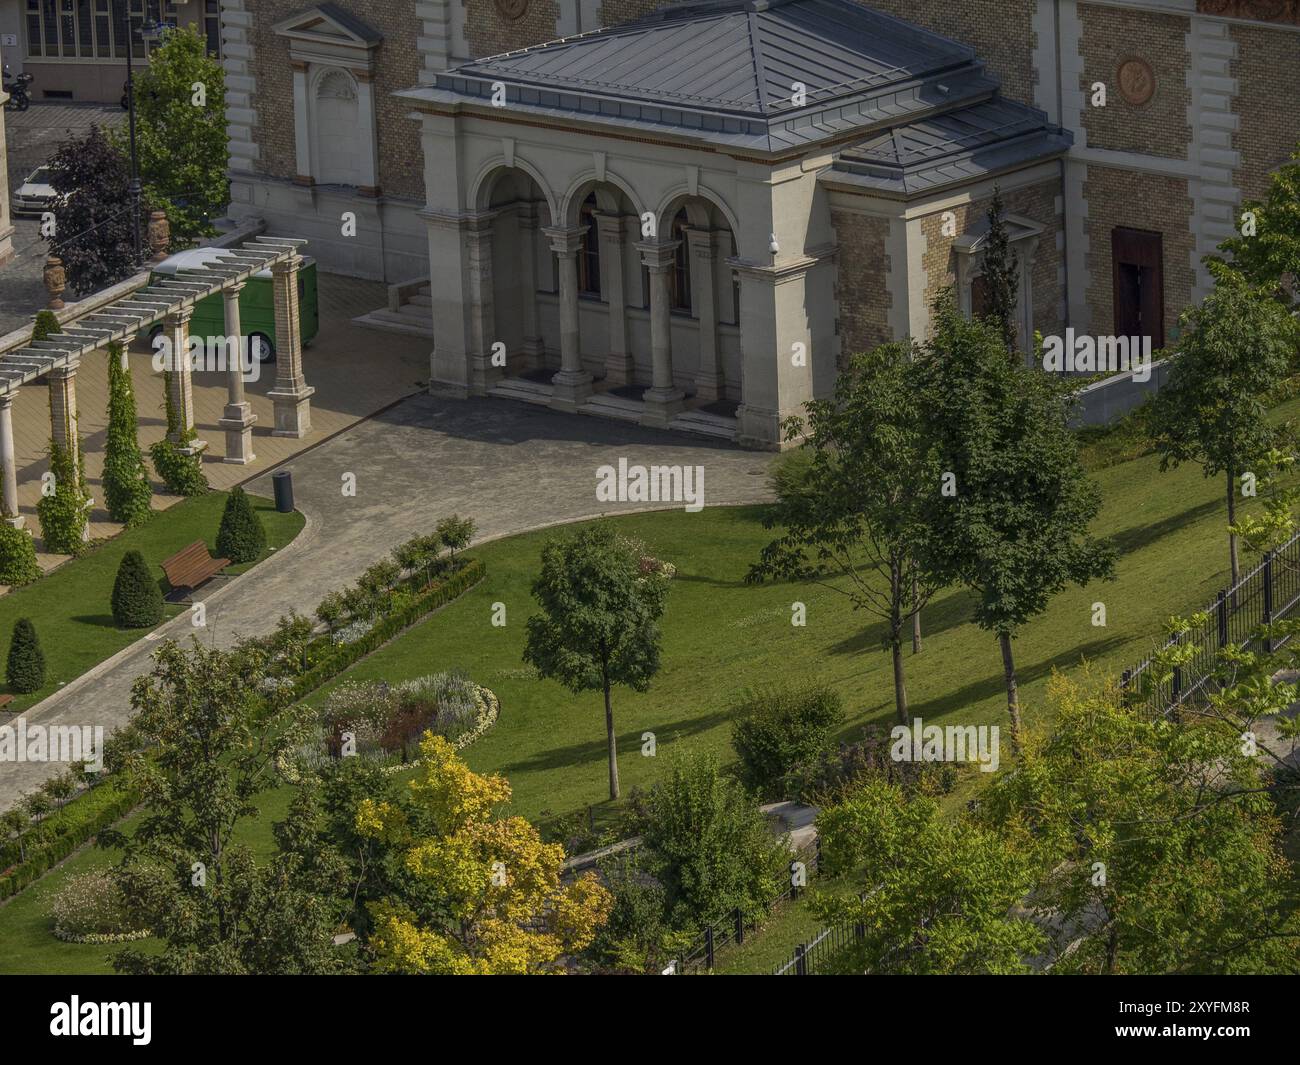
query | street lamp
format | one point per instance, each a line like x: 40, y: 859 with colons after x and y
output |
x: 149, y: 31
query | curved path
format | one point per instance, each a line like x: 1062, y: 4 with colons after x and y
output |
x: 509, y: 466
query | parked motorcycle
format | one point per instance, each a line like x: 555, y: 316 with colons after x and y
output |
x: 19, y: 98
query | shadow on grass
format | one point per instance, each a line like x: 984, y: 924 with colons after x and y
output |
x: 1137, y: 537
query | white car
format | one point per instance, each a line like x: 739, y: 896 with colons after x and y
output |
x: 34, y: 195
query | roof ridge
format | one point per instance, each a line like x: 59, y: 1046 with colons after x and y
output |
x: 756, y: 52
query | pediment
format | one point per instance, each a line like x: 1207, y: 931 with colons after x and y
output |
x: 330, y: 26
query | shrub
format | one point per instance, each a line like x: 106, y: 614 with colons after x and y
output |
x: 829, y: 777
x: 91, y: 908
x: 137, y: 599
x: 26, y: 668
x: 126, y: 481
x: 17, y: 556
x: 62, y: 513
x: 775, y: 729
x: 180, y: 472
x: 637, y: 938
x: 47, y: 323
x: 241, y: 537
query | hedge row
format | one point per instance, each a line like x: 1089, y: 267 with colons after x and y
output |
x: 85, y: 816
x: 348, y: 654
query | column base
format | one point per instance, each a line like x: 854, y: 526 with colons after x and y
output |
x: 292, y: 412
x: 620, y: 370
x: 710, y: 387
x: 19, y: 522
x: 662, y: 405
x: 759, y: 430
x: 570, y: 389
x: 532, y: 356
x: 237, y: 421
x: 483, y: 375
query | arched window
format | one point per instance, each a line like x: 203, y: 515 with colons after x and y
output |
x: 335, y: 131
x: 681, y: 265
x: 589, y: 252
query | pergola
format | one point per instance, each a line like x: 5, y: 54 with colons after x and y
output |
x: 170, y: 300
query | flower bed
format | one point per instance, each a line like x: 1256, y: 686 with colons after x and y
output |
x: 90, y: 908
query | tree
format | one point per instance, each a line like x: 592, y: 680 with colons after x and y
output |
x: 25, y: 670
x: 1159, y: 841
x: 95, y: 234
x: 853, y: 521
x: 1009, y: 513
x: 62, y: 511
x: 456, y: 533
x: 241, y: 537
x: 137, y: 598
x: 127, y: 491
x: 1233, y: 350
x: 939, y: 891
x: 1266, y: 250
x: 46, y: 324
x: 17, y: 556
x: 181, y: 134
x: 599, y: 624
x: 1001, y: 275
x: 203, y: 744
x: 480, y: 884
x: 710, y: 846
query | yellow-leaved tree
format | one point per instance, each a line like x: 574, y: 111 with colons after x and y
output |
x: 491, y: 901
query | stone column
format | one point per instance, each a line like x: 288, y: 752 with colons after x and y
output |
x: 662, y: 400
x: 619, y: 369
x: 291, y: 395
x: 63, y: 419
x: 482, y: 317
x: 180, y: 386
x: 534, y: 350
x: 301, y: 124
x: 572, y: 385
x: 237, y: 419
x: 9, y: 472
x: 709, y: 382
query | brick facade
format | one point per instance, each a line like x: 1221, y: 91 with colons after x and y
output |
x: 1267, y: 69
x: 861, y: 289
x: 612, y: 12
x: 489, y: 32
x: 1110, y: 36
x: 1138, y: 201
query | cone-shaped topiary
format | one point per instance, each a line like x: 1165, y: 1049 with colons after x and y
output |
x: 137, y: 599
x: 26, y: 669
x: 241, y: 537
x: 46, y: 323
x: 126, y: 482
x: 17, y: 556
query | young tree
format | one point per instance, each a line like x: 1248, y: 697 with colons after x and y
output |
x: 25, y: 670
x: 1234, y: 349
x: 1008, y: 514
x: 126, y: 481
x: 1266, y: 250
x: 181, y: 134
x: 137, y: 598
x: 599, y: 624
x: 203, y: 745
x: 456, y: 533
x: 1001, y: 275
x: 241, y: 537
x: 853, y: 521
x: 478, y: 884
x: 95, y: 230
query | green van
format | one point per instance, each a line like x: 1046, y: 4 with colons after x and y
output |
x: 256, y: 302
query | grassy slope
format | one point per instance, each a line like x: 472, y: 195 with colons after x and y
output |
x: 71, y: 606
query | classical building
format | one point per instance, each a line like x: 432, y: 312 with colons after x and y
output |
x: 690, y: 216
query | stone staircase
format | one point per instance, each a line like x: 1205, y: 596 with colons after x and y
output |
x: 409, y: 310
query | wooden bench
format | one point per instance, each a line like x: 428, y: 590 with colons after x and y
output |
x: 191, y: 566
x: 5, y: 700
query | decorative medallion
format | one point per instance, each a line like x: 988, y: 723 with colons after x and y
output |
x: 1137, y: 81
x: 512, y: 9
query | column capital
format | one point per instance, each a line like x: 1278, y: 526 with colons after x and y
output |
x: 565, y: 240
x: 6, y: 400
x: 290, y: 265
x: 231, y: 291
x: 68, y: 369
x: 178, y: 317
x: 611, y: 226
x: 700, y: 241
x: 658, y: 256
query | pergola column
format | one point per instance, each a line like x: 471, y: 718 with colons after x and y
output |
x: 9, y: 471
x: 709, y: 382
x: 662, y: 400
x: 237, y: 418
x: 292, y: 395
x: 619, y: 368
x: 572, y: 385
x: 180, y: 386
x: 482, y: 316
x: 534, y: 351
x: 63, y: 410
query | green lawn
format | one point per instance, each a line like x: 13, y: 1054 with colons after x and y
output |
x: 720, y: 636
x: 71, y: 606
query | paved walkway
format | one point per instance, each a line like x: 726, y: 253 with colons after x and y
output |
x: 509, y: 466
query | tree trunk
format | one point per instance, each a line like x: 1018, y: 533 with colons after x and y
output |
x: 916, y: 617
x: 1233, y: 560
x: 613, y: 744
x: 1013, y: 694
x: 896, y: 641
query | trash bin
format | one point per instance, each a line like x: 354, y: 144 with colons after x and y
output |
x: 283, y: 482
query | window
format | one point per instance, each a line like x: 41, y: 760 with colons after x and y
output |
x: 1137, y: 265
x: 681, y: 277
x: 979, y: 292
x: 97, y: 29
x: 589, y: 250
x: 212, y: 26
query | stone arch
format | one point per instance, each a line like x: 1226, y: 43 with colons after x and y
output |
x: 579, y: 188
x: 694, y: 202
x: 484, y: 185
